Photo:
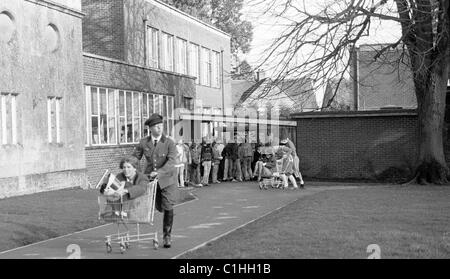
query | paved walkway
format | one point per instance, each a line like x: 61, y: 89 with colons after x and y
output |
x: 216, y: 211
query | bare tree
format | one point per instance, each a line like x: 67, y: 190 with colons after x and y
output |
x: 324, y: 39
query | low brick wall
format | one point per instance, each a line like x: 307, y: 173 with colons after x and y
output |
x: 356, y: 145
x: 41, y: 182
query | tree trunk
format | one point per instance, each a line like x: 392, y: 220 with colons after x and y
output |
x: 431, y: 91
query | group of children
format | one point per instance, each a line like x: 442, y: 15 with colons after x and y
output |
x: 200, y: 164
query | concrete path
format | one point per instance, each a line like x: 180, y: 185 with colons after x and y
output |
x: 216, y: 211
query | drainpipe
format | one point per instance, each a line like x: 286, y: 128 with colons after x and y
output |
x: 355, y: 78
x: 222, y: 83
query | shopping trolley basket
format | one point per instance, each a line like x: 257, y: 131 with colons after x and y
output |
x: 123, y: 212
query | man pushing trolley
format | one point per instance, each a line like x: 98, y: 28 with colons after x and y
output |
x: 160, y: 153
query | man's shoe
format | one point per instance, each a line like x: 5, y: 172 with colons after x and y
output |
x: 302, y: 186
x: 166, y: 242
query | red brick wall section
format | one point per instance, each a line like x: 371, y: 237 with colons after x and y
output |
x: 103, y: 29
x: 99, y: 72
x: 100, y: 158
x: 356, y: 147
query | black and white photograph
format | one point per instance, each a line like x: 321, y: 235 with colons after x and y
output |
x: 224, y: 131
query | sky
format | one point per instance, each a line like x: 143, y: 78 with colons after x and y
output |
x: 267, y: 27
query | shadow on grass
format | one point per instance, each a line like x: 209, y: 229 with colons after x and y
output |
x: 32, y: 218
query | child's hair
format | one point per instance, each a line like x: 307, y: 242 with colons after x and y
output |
x: 131, y: 160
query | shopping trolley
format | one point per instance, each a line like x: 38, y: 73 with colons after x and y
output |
x: 283, y: 166
x: 137, y: 211
x: 275, y: 180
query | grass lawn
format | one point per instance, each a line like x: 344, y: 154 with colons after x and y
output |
x: 32, y: 218
x: 405, y: 222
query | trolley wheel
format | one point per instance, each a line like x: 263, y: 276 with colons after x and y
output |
x: 122, y: 248
x: 155, y: 244
x: 108, y: 248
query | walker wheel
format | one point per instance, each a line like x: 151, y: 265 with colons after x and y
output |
x: 122, y: 248
x: 155, y: 244
x: 127, y: 245
x: 260, y: 185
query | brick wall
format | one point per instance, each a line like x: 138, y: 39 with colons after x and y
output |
x: 109, y: 73
x: 103, y: 28
x: 356, y: 145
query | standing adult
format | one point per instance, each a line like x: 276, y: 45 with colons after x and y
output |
x: 247, y: 158
x: 160, y: 153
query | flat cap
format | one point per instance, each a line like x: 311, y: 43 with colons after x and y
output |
x: 154, y: 119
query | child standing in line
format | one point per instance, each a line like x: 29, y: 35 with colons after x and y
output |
x: 181, y: 161
x: 206, y: 158
x: 217, y: 157
x: 195, y: 165
x: 188, y: 161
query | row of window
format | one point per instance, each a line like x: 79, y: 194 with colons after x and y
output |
x: 118, y: 116
x: 166, y: 52
x: 113, y: 116
x: 8, y: 119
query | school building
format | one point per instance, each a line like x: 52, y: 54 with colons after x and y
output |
x: 80, y: 77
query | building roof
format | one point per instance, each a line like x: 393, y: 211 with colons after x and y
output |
x: 238, y: 87
x: 301, y: 90
x: 187, y: 16
x: 291, y: 94
x: 247, y: 93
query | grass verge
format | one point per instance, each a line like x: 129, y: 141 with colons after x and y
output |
x: 405, y: 222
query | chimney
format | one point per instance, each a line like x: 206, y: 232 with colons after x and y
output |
x: 260, y: 74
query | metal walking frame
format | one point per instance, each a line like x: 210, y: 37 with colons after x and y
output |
x: 137, y: 211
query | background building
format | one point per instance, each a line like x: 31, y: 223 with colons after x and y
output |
x: 383, y: 82
x: 41, y: 139
x: 143, y: 57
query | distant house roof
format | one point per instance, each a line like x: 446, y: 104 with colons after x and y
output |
x: 291, y: 94
x: 301, y: 90
x: 238, y: 87
x: 247, y: 93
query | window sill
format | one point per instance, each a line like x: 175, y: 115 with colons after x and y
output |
x: 109, y: 146
x: 11, y: 146
x: 54, y: 144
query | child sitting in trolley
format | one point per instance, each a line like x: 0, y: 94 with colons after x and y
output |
x: 132, y: 184
x: 266, y: 165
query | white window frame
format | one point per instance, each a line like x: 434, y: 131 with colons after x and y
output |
x: 5, y: 132
x: 54, y: 115
x: 194, y: 61
x: 167, y: 50
x: 137, y: 114
x: 205, y: 77
x: 215, y: 69
x: 153, y: 47
x: 181, y: 56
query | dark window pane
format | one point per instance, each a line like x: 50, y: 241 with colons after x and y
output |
x: 121, y: 103
x: 94, y: 101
